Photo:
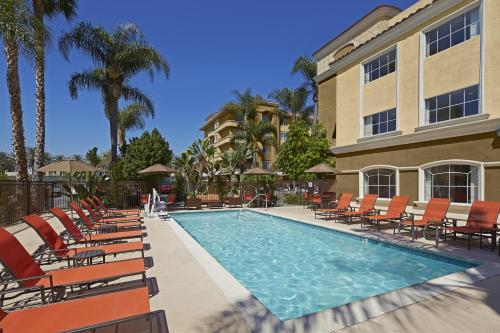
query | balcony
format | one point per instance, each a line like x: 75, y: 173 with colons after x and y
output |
x: 223, y: 141
x: 223, y: 125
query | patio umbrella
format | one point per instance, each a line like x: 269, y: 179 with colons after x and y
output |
x: 257, y: 171
x: 157, y: 169
x: 322, y: 168
x: 68, y: 166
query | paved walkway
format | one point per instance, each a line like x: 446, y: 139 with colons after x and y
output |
x: 194, y: 303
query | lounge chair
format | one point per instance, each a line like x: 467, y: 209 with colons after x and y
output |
x: 482, y: 220
x: 103, y: 214
x: 99, y: 220
x: 110, y: 226
x: 80, y: 237
x: 233, y: 202
x: 434, y: 215
x: 78, y: 313
x: 105, y: 209
x: 395, y: 212
x: 60, y: 250
x: 192, y: 203
x: 366, y: 207
x: 28, y: 273
x: 342, y: 206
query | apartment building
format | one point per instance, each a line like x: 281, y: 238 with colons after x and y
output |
x: 411, y: 101
x: 220, y: 127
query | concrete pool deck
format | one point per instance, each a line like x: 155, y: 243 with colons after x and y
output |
x: 194, y: 301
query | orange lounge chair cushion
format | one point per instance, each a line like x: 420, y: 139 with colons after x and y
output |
x: 416, y: 223
x: 119, y: 220
x: 73, y: 314
x: 121, y: 225
x: 384, y: 217
x: 469, y: 230
x: 110, y: 248
x: 76, y: 275
x: 113, y: 236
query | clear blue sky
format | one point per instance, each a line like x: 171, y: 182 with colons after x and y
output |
x: 213, y: 47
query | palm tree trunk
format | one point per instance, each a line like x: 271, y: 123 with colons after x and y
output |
x: 40, y: 89
x: 16, y: 111
x: 121, y: 137
x: 112, y: 111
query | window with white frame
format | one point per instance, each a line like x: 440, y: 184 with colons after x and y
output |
x: 457, y: 104
x: 453, y: 32
x: 266, y: 164
x: 459, y: 182
x: 382, y: 122
x: 381, y: 66
x: 283, y: 136
x: 381, y: 182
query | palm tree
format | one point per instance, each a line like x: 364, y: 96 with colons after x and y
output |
x: 245, y: 105
x: 132, y: 117
x: 235, y: 160
x: 293, y: 103
x: 30, y: 158
x: 16, y: 30
x: 203, y: 154
x: 185, y: 166
x: 307, y: 67
x: 93, y: 157
x: 118, y: 56
x: 42, y: 9
x: 59, y: 157
x: 77, y: 157
x: 256, y: 136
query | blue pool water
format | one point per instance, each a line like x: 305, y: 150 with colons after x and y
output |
x: 296, y: 269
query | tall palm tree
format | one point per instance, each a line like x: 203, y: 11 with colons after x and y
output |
x: 245, y: 105
x: 203, y: 154
x: 118, y: 55
x: 132, y: 117
x: 293, y: 103
x: 185, y: 166
x: 16, y: 31
x: 44, y: 9
x: 306, y: 66
x: 256, y: 135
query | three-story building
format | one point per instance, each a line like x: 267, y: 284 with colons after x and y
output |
x: 411, y: 101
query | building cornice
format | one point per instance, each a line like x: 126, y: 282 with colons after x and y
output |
x: 388, y: 36
x: 470, y: 128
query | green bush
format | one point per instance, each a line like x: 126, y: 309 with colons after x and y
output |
x: 293, y: 199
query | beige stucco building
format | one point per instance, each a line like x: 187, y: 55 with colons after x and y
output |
x: 411, y: 101
x: 220, y: 127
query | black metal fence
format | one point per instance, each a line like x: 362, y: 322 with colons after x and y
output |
x: 18, y: 199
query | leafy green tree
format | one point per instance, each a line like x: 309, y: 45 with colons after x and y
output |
x: 303, y: 149
x: 293, y: 103
x: 118, y: 56
x: 145, y: 151
x: 234, y: 160
x: 7, y: 162
x: 93, y: 157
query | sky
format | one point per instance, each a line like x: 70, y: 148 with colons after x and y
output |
x: 212, y: 47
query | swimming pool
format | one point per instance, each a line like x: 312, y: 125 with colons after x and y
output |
x: 296, y: 269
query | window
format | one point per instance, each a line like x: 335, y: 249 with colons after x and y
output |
x: 283, y: 136
x: 379, y: 123
x: 381, y: 66
x: 453, y: 32
x: 458, y: 182
x: 457, y: 104
x: 266, y: 165
x: 266, y: 150
x: 381, y: 182
x: 266, y: 117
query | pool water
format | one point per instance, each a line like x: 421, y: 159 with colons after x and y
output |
x: 296, y: 269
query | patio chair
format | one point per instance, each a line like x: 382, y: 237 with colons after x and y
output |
x: 27, y: 272
x: 100, y: 220
x: 61, y: 250
x: 342, y: 206
x: 316, y: 202
x: 80, y: 237
x: 395, y: 212
x: 234, y: 202
x: 116, y: 307
x: 434, y: 215
x: 107, y: 210
x: 482, y: 220
x: 103, y: 227
x: 366, y: 207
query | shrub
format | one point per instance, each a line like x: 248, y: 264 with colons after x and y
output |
x: 293, y: 198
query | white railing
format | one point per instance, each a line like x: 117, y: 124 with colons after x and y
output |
x: 258, y: 195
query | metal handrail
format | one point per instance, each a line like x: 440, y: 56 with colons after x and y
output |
x: 258, y: 195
